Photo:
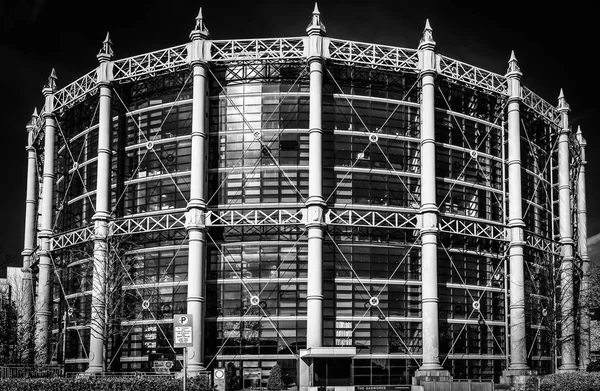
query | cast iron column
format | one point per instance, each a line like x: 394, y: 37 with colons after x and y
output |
x: 196, y: 209
x: 429, y: 211
x: 518, y: 345
x: 44, y: 313
x: 101, y: 218
x: 584, y: 315
x: 567, y: 316
x: 31, y: 206
x: 315, y: 203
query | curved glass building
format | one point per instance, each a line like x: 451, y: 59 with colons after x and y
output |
x: 357, y: 213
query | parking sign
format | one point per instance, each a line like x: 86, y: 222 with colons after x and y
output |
x: 182, y: 331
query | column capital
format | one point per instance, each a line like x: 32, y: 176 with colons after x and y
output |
x: 195, y: 218
x: 426, y: 51
x: 516, y: 222
x: 316, y: 46
x: 101, y: 216
x: 314, y: 216
x: 45, y: 233
x: 104, y: 72
x: 199, y: 47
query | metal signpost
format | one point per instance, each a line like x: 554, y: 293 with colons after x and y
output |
x: 182, y: 335
x: 219, y: 375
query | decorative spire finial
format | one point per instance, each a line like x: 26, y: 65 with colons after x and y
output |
x: 200, y: 31
x: 51, y: 84
x: 562, y: 102
x: 31, y: 124
x: 512, y: 64
x: 427, y: 41
x: 106, y: 52
x: 580, y: 138
x: 315, y: 26
x: 199, y: 21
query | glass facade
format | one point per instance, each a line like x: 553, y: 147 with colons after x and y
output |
x: 258, y: 159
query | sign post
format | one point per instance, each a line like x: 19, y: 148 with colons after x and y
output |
x: 219, y: 379
x: 182, y: 338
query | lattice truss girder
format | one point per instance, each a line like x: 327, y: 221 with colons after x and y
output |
x: 285, y: 49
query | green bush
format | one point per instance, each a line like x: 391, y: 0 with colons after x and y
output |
x: 112, y: 383
x: 576, y: 381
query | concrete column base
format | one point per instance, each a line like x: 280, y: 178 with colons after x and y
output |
x: 431, y: 375
x: 567, y: 369
x: 518, y: 379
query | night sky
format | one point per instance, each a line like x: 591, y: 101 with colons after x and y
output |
x: 555, y: 44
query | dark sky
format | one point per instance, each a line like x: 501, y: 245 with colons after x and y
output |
x: 555, y: 44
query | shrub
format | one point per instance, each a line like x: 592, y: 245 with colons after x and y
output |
x: 576, y: 381
x: 275, y: 380
x: 232, y: 380
x: 100, y: 383
x: 594, y: 366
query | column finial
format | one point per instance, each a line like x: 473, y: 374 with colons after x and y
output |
x: 316, y: 26
x: 31, y: 124
x: 513, y: 68
x: 200, y: 31
x: 50, y: 86
x: 562, y: 102
x: 427, y: 41
x: 106, y: 52
x: 580, y: 138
